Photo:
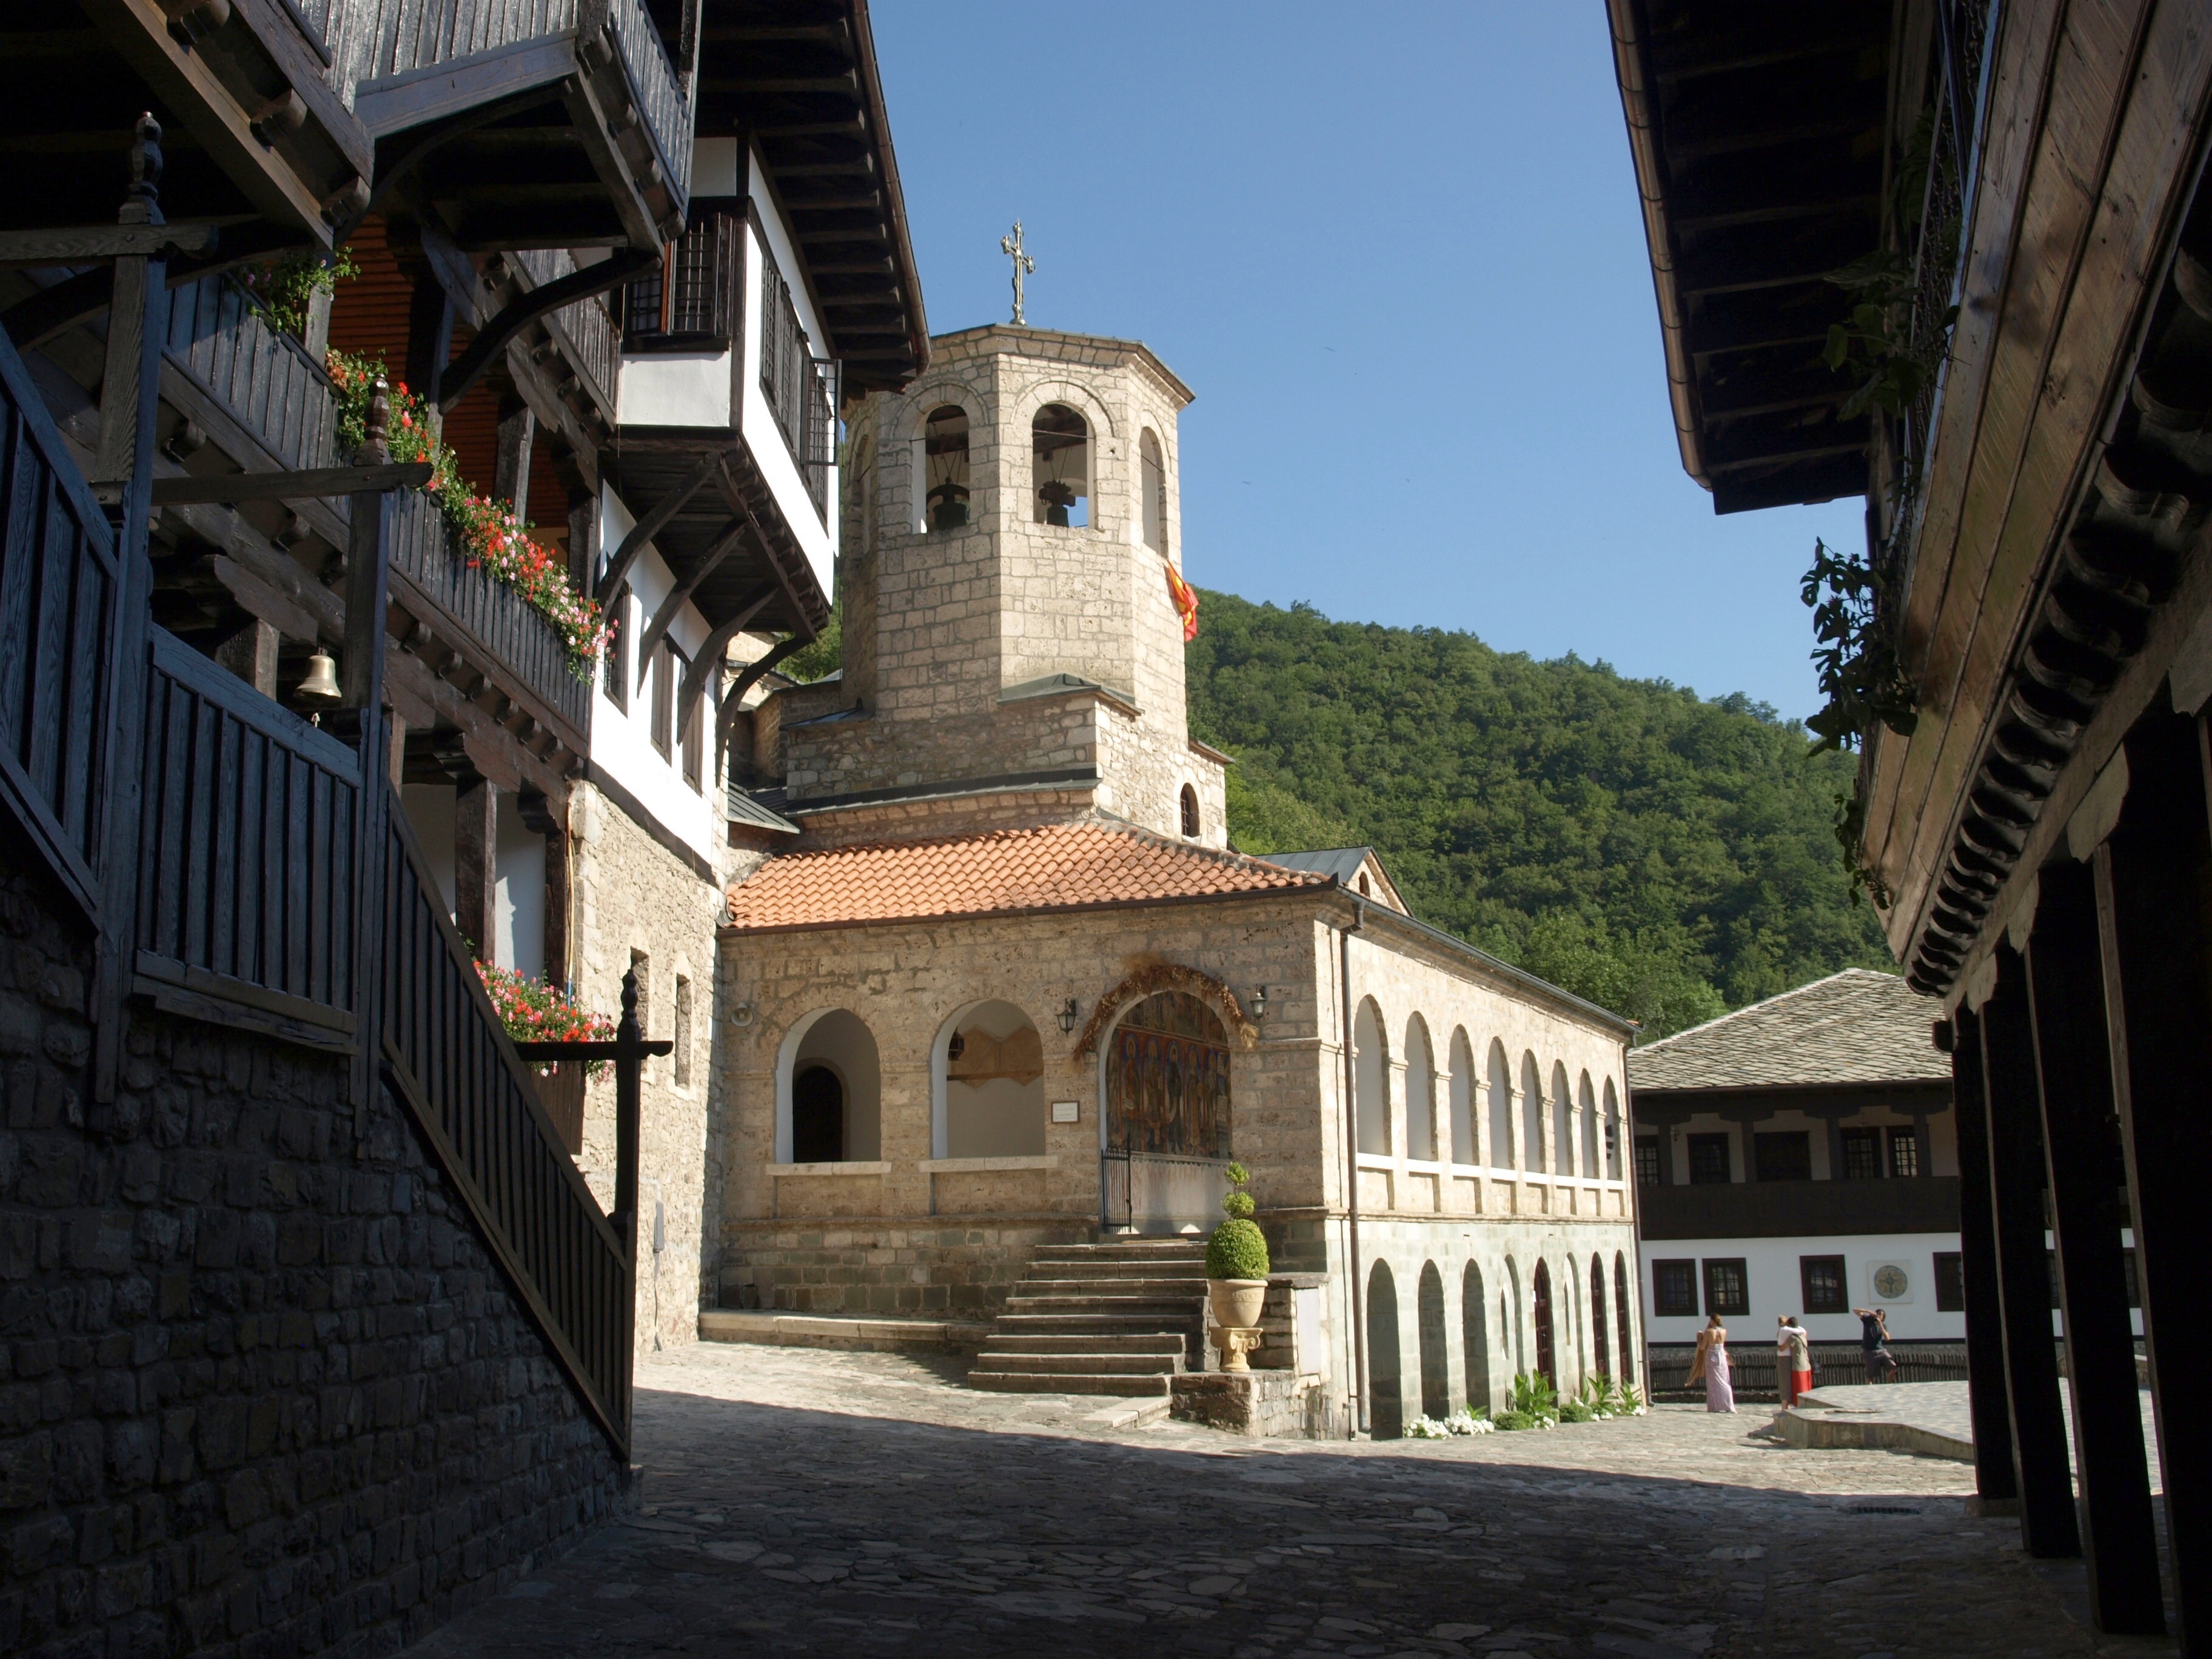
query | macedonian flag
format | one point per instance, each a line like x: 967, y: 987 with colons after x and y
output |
x: 1186, y: 604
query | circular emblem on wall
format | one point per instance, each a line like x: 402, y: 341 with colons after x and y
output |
x: 1890, y: 1282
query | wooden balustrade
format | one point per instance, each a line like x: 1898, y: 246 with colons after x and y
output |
x: 259, y: 376
x: 585, y: 330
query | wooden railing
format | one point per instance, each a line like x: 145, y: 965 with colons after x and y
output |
x: 449, y: 1061
x: 585, y: 330
x: 258, y: 376
x: 513, y: 637
x: 662, y: 95
x: 59, y: 582
x: 249, y: 824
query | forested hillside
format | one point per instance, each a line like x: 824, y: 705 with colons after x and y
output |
x: 1665, y: 854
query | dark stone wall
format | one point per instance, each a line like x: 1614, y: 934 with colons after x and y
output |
x: 262, y: 1387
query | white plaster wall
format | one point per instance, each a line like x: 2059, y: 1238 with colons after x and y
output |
x: 676, y: 388
x: 520, y: 862
x: 817, y: 532
x: 1776, y: 1288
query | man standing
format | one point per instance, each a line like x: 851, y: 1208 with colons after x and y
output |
x: 1874, y: 1337
x: 1794, y: 1360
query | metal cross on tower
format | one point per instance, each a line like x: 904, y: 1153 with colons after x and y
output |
x: 1011, y: 247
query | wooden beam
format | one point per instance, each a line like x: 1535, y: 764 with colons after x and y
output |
x: 664, y: 617
x: 736, y: 498
x: 726, y: 721
x: 465, y: 370
x: 314, y: 484
x: 38, y: 318
x: 651, y: 524
x: 78, y: 245
x: 709, y: 660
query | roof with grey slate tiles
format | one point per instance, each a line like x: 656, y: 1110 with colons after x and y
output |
x: 1857, y: 1026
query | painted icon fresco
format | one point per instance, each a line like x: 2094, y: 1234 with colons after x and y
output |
x: 1167, y: 1079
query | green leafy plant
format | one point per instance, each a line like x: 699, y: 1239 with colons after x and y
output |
x: 490, y: 535
x: 1533, y: 1404
x: 1237, y: 1249
x: 283, y: 290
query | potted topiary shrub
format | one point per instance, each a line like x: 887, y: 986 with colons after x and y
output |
x: 1237, y: 1259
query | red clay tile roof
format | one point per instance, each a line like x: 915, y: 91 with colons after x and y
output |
x: 1057, y: 866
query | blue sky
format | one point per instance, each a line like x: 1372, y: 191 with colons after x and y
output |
x: 1395, y: 251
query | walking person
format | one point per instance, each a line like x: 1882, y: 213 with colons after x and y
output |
x: 1712, y: 1365
x: 1794, y: 1360
x: 1874, y: 1337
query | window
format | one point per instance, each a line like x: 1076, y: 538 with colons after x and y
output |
x: 688, y: 303
x: 642, y: 965
x: 1364, y: 892
x: 1950, y: 1282
x: 1727, y: 1285
x: 1674, y: 1290
x: 1862, y: 1154
x: 1190, y: 811
x: 796, y: 385
x: 664, y: 697
x: 1647, y: 1161
x: 682, y: 1032
x: 1060, y: 461
x: 945, y: 468
x: 1709, y: 1160
x: 1905, y: 1152
x: 1155, y: 491
x: 817, y: 1116
x: 1822, y: 1279
x: 695, y: 744
x: 618, y: 653
x: 1783, y: 1155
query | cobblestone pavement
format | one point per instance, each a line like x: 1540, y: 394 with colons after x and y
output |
x: 808, y: 1501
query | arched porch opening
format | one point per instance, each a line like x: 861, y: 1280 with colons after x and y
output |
x: 1474, y: 1337
x: 1370, y: 1075
x: 1541, y: 1295
x: 829, y: 1091
x: 1602, y: 1360
x: 1628, y: 1366
x: 986, y: 1084
x: 1436, y: 1366
x: 1501, y: 1108
x: 1386, y: 1405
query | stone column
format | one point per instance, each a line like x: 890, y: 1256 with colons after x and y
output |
x: 2085, y: 1170
x: 2031, y: 1359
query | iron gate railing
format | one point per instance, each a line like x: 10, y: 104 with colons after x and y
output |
x: 1155, y: 1192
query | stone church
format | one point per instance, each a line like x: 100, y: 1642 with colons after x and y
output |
x: 1001, y: 1002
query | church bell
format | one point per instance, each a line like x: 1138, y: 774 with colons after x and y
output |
x: 321, y: 685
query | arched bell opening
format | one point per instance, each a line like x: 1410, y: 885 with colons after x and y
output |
x: 945, y: 467
x: 1060, y: 442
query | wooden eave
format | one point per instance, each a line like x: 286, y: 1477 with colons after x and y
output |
x: 1758, y: 137
x: 252, y: 129
x: 2060, y: 557
x: 797, y: 80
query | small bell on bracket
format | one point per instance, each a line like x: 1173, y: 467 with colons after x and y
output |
x: 321, y: 686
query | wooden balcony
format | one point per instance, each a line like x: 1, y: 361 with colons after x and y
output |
x: 537, y: 124
x: 1791, y: 1209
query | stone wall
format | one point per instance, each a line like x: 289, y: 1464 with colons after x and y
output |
x: 262, y: 1389
x: 921, y: 1270
x: 635, y: 895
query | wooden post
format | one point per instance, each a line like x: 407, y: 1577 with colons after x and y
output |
x: 2047, y: 1525
x: 630, y: 1051
x: 1987, y: 1403
x: 360, y: 717
x: 539, y: 814
x: 429, y: 337
x: 2154, y: 882
x: 476, y: 862
x: 250, y: 654
x: 2084, y: 1170
x: 518, y: 428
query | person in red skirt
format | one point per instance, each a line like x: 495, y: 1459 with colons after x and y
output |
x: 1793, y: 1360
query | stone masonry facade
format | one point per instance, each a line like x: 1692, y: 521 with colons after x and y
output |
x: 262, y: 1387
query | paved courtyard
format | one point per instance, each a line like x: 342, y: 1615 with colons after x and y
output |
x: 811, y: 1501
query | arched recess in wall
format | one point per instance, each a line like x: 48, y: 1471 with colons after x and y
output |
x: 1462, y: 1098
x: 1474, y: 1337
x: 1153, y: 467
x: 1436, y: 1364
x: 1501, y: 1108
x: 1532, y: 1114
x: 1620, y: 1307
x: 829, y: 1091
x: 1420, y: 1095
x: 1188, y: 802
x: 1586, y: 1110
x: 1370, y: 1073
x: 947, y: 487
x: 1165, y: 1082
x: 986, y: 1084
x: 1600, y: 1358
x: 1612, y: 1132
x: 1540, y: 1295
x: 1516, y: 1338
x: 1386, y: 1405
x: 1059, y: 456
x: 1562, y: 1121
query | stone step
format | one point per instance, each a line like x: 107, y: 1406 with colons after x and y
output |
x: 1148, y: 1249
x: 1149, y: 1342
x: 1158, y: 1306
x: 1082, y: 1364
x: 1159, y: 1385
x: 1170, y: 1268
x: 1060, y: 1324
x: 1190, y: 1290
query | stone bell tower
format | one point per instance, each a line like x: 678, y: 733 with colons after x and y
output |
x: 1013, y: 652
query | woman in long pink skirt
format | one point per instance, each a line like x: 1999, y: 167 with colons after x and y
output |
x: 1712, y: 1365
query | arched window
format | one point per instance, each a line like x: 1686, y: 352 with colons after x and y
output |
x: 1586, y: 1109
x: 1600, y: 1358
x: 1386, y: 1407
x: 1463, y: 1149
x: 1474, y: 1337
x: 1371, y: 1074
x: 1363, y: 885
x: 1155, y: 472
x: 1167, y: 1080
x: 1501, y: 1108
x: 829, y: 1091
x: 1621, y: 1307
x: 1190, y: 825
x: 1563, y: 1122
x: 1436, y: 1368
x: 1532, y: 1114
x: 1612, y: 1132
x: 992, y: 1103
x: 1421, y: 1097
x: 944, y: 447
x: 1060, y: 453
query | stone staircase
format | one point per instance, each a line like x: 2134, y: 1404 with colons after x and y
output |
x: 1121, y: 1318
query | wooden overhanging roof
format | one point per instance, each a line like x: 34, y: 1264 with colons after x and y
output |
x: 1758, y: 134
x: 798, y: 79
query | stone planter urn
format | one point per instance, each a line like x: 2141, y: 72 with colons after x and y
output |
x: 1237, y: 1303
